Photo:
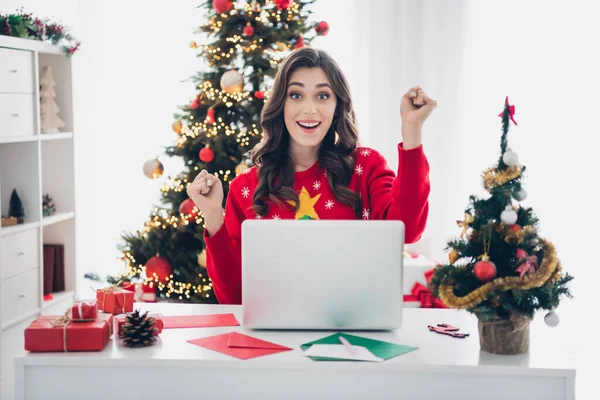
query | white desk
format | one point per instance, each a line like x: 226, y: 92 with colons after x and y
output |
x: 442, y: 367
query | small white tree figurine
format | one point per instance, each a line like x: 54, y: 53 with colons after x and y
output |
x: 50, y: 120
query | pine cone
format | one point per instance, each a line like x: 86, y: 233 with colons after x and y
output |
x: 138, y: 330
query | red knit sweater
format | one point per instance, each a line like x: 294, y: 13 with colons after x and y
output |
x: 384, y: 196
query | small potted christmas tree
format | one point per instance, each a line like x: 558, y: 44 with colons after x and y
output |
x: 500, y: 269
x: 15, y: 208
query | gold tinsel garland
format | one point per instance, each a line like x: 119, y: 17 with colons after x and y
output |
x: 549, y: 271
x: 517, y: 237
x: 493, y: 178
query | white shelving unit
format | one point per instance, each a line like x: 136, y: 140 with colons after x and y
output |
x: 33, y: 163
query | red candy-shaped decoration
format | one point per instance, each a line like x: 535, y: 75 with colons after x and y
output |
x: 210, y: 116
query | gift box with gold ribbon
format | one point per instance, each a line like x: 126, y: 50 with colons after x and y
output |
x: 56, y: 333
x: 84, y: 311
x: 114, y: 300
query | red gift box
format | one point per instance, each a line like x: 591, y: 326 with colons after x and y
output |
x: 114, y: 300
x: 128, y: 286
x: 55, y: 333
x: 84, y: 311
x: 421, y: 297
x: 158, y: 324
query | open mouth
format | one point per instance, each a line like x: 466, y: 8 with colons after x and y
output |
x: 309, y: 126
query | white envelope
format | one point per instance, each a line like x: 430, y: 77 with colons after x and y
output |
x: 338, y: 351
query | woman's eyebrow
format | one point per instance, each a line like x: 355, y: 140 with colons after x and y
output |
x: 302, y: 84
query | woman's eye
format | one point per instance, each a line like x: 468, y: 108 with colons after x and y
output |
x: 323, y: 96
x: 294, y: 95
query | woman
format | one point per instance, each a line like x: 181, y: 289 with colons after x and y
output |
x: 309, y: 166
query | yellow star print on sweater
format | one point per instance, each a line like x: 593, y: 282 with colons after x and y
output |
x: 307, y: 205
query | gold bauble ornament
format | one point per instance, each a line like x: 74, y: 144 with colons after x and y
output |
x: 240, y: 168
x: 232, y: 82
x: 453, y: 256
x: 202, y: 259
x: 177, y: 126
x: 281, y: 46
x: 153, y: 168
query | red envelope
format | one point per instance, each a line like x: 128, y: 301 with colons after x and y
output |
x: 198, y: 321
x: 240, y: 346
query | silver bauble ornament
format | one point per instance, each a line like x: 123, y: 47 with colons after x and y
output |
x: 551, y: 319
x: 521, y: 195
x: 153, y: 168
x: 232, y: 82
x: 510, y: 158
x: 509, y: 216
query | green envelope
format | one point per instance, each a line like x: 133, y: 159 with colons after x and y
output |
x: 385, y: 350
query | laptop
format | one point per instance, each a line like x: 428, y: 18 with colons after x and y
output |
x: 322, y: 275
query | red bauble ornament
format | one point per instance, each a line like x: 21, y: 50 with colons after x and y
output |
x: 484, y: 270
x: 283, y: 4
x: 248, y: 30
x: 322, y: 28
x: 259, y: 94
x: 210, y: 116
x: 300, y: 42
x: 194, y: 103
x: 222, y: 6
x: 515, y: 227
x: 187, y: 207
x: 207, y: 155
x: 159, y: 266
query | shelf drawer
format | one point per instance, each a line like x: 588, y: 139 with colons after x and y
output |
x: 16, y: 115
x: 20, y: 295
x: 20, y: 252
x: 16, y: 71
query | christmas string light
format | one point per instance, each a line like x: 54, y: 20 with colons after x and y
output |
x: 208, y: 130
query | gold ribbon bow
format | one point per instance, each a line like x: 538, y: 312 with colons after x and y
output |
x: 63, y: 321
x: 465, y: 224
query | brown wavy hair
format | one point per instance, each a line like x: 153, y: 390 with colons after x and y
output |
x: 271, y: 155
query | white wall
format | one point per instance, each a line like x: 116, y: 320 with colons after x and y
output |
x: 133, y: 63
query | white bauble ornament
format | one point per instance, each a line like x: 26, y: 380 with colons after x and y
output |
x: 551, y: 319
x: 521, y: 195
x: 510, y: 158
x: 153, y: 168
x: 509, y: 216
x: 232, y: 82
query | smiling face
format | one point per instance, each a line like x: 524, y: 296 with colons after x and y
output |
x: 309, y: 107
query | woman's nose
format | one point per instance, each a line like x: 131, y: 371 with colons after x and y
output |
x: 311, y: 108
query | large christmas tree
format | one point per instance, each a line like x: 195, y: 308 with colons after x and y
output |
x: 246, y: 41
x: 500, y: 267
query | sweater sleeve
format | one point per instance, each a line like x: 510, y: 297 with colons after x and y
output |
x: 224, y: 253
x: 403, y: 196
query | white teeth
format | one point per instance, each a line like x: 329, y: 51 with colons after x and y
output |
x: 307, y: 125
